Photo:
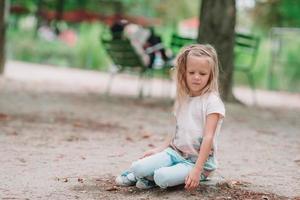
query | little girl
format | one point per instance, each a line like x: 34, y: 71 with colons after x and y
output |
x: 189, y: 156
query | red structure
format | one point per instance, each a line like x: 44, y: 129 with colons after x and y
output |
x: 79, y: 15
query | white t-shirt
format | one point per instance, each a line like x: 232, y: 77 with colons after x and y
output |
x: 190, y: 124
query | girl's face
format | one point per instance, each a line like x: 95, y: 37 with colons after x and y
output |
x: 197, y: 74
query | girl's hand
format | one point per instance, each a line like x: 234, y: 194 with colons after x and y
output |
x: 193, y: 179
x: 151, y: 152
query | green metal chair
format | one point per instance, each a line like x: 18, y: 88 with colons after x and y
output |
x: 124, y: 56
x: 246, y: 49
x: 177, y: 42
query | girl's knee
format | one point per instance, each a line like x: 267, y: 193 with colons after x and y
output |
x: 138, y: 169
x: 161, y: 178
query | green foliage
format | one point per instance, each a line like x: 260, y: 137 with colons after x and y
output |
x: 286, y: 70
x: 293, y: 70
x: 290, y: 12
x: 260, y: 68
x: 293, y: 62
x: 280, y: 13
x: 22, y: 46
x: 30, y: 5
x: 89, y: 50
x: 87, y: 53
x: 166, y: 10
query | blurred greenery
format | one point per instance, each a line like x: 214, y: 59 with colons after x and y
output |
x: 286, y: 64
x: 87, y: 53
x: 280, y: 13
x: 166, y: 10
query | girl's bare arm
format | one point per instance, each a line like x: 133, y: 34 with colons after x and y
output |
x: 192, y: 180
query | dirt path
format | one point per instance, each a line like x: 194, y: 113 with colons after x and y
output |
x: 64, y: 140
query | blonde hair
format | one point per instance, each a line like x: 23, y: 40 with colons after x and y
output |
x: 198, y: 50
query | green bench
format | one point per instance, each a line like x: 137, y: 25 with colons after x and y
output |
x: 177, y: 42
x: 125, y: 58
x: 246, y: 49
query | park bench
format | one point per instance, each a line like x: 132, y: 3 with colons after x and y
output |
x: 177, y: 42
x: 246, y: 48
x: 125, y: 58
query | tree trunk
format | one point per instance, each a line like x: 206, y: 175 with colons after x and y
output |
x: 38, y: 17
x: 217, y: 27
x: 59, y: 15
x: 2, y: 35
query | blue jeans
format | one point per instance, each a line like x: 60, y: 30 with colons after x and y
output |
x: 167, y: 168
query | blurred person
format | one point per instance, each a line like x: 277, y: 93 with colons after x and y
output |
x: 154, y: 46
x: 46, y: 33
x: 117, y: 28
x: 137, y: 36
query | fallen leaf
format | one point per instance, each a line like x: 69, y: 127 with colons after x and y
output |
x: 146, y: 135
x: 238, y: 119
x: 4, y: 117
x: 265, y: 197
x: 151, y: 145
x: 240, y: 183
x: 193, y: 193
x: 128, y: 138
x: 116, y: 154
x: 13, y: 133
x: 83, y: 158
x: 113, y: 188
x: 232, y: 183
x: 130, y: 190
x: 22, y: 160
x: 78, y: 125
x: 267, y: 132
x: 61, y: 156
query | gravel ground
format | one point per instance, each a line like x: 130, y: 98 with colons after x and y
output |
x: 67, y: 141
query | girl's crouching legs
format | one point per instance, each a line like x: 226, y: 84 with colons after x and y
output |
x: 143, y: 175
x: 139, y: 170
x: 160, y: 179
x: 145, y: 167
x: 171, y: 176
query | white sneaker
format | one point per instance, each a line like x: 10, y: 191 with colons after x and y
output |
x: 131, y: 177
x: 144, y: 184
x: 126, y: 179
x: 203, y: 178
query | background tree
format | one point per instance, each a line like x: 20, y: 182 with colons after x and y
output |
x: 217, y: 27
x: 2, y: 35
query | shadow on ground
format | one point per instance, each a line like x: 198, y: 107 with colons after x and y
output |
x: 105, y: 188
